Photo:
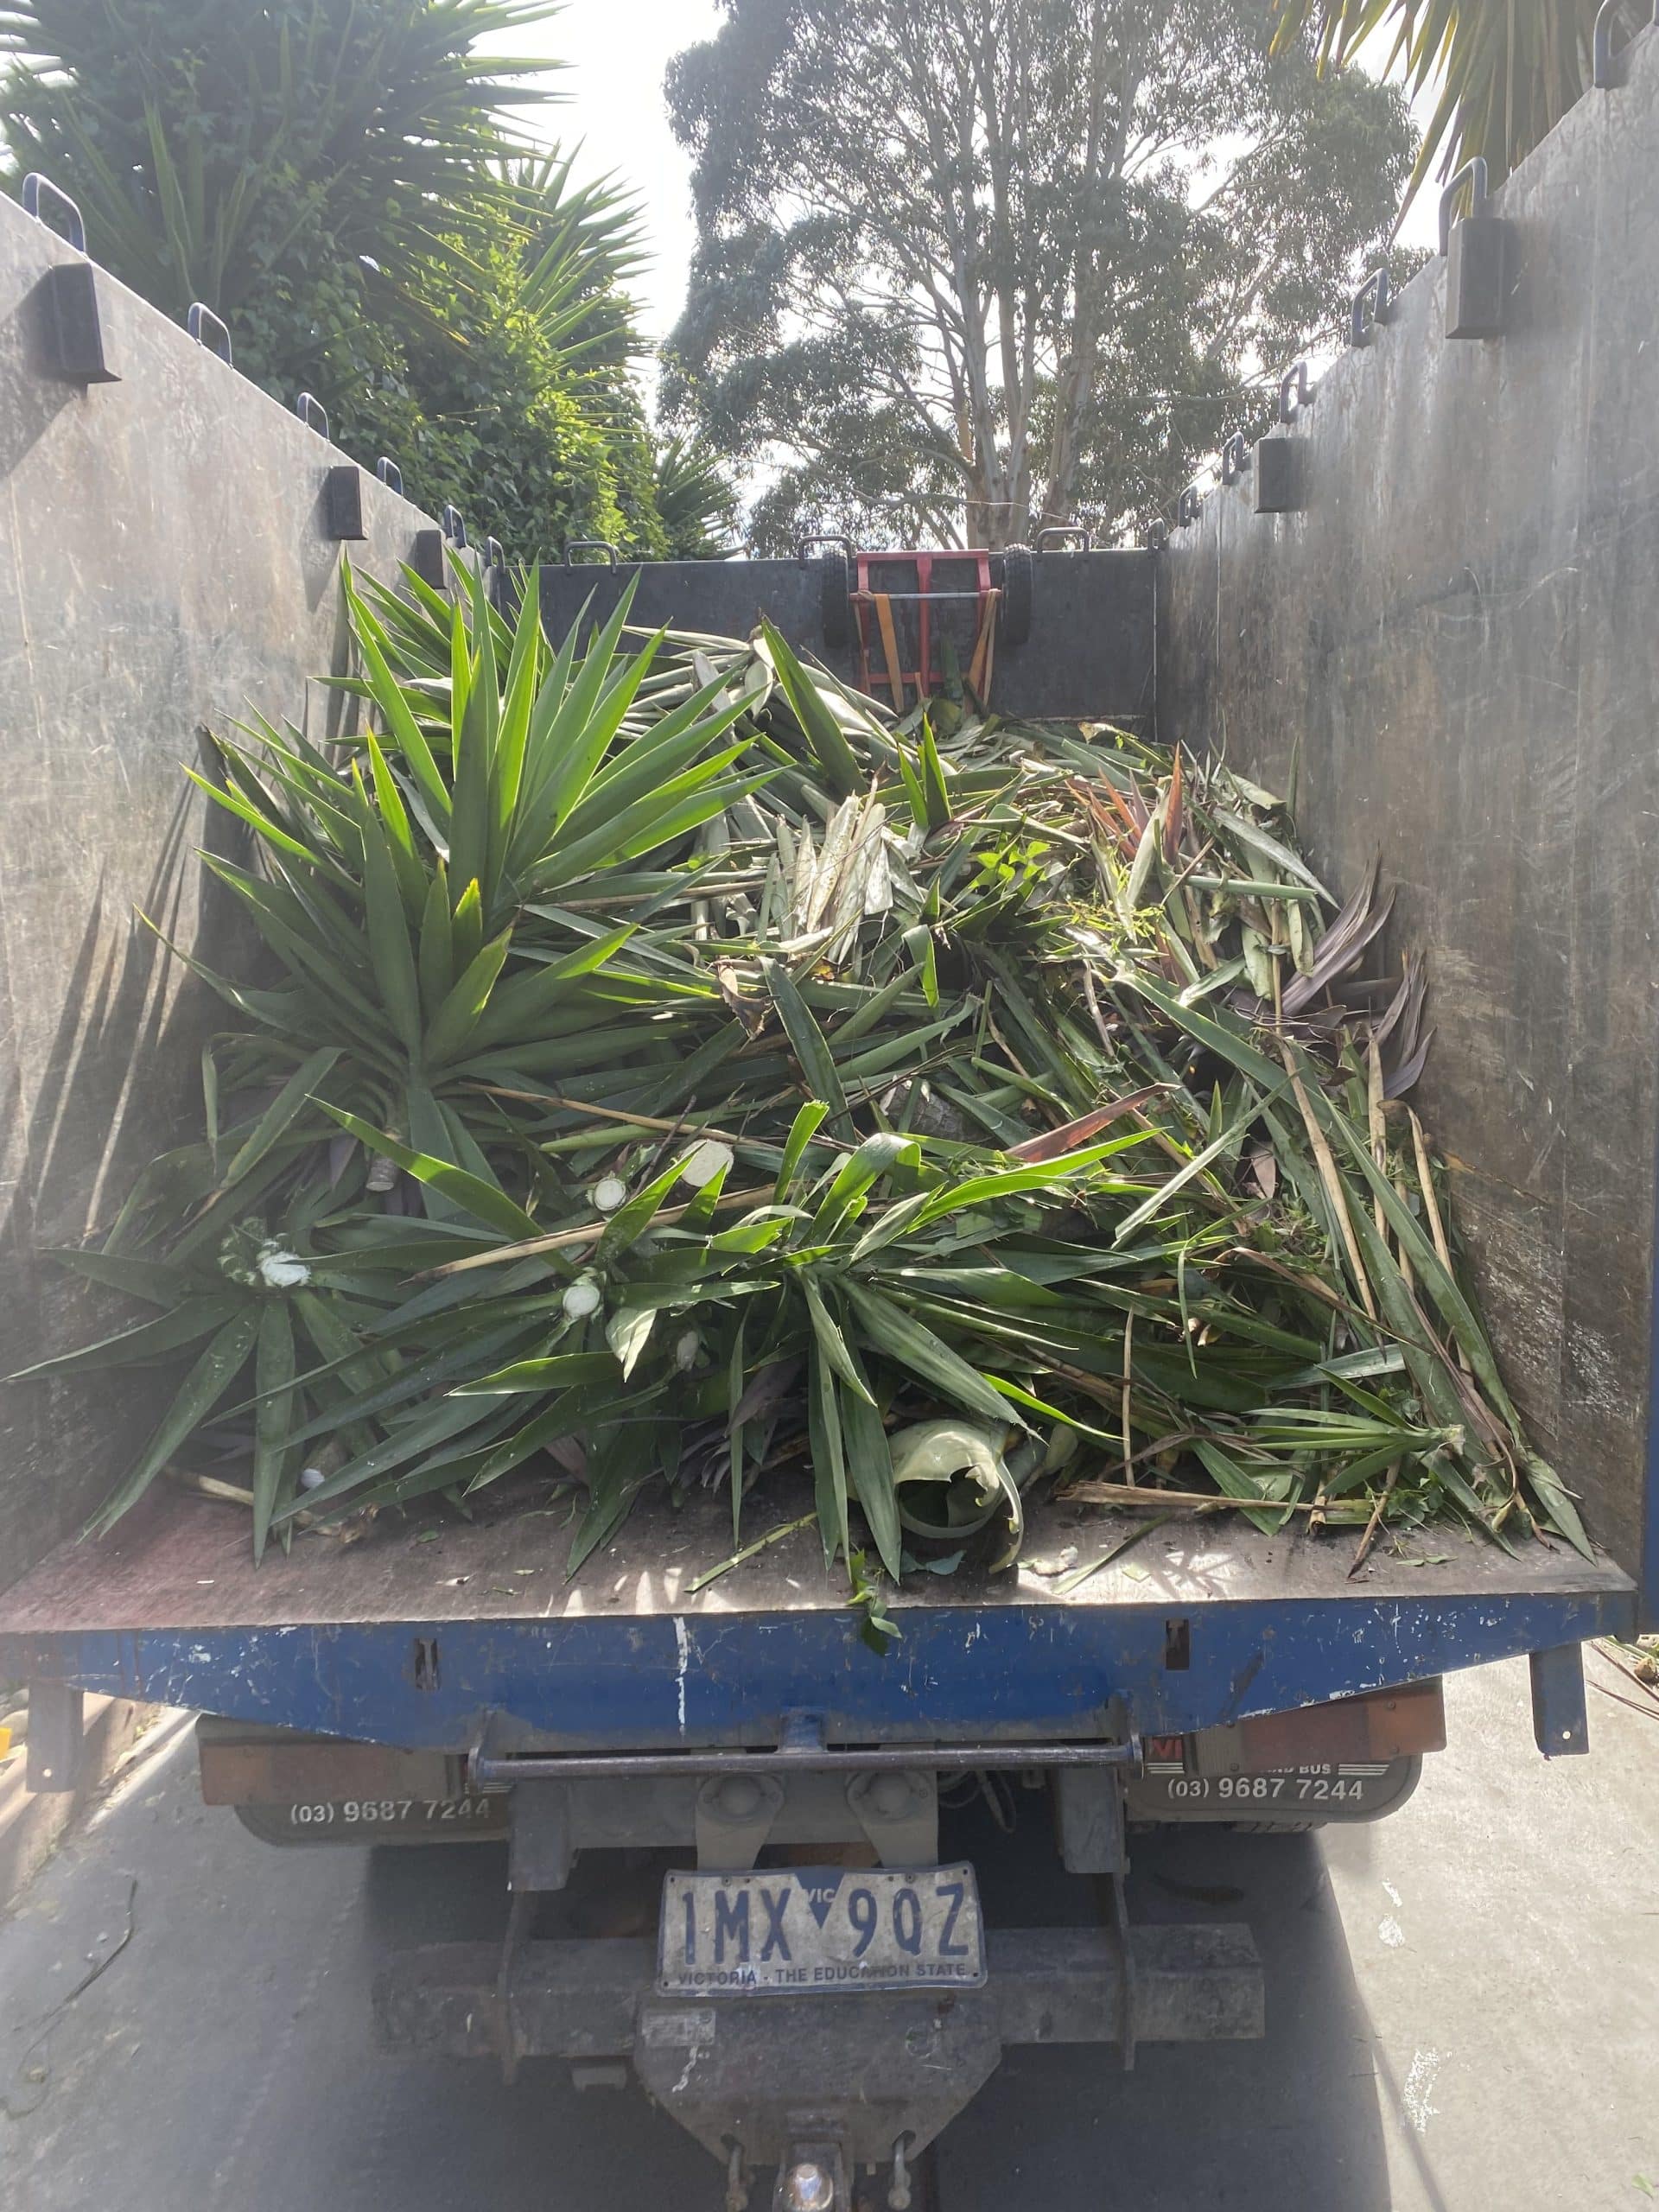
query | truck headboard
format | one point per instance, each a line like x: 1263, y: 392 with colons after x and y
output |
x: 1449, y: 645
x: 1085, y: 650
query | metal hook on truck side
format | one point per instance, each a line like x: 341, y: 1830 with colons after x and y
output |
x: 1189, y: 506
x: 1379, y: 292
x: 33, y: 185
x: 77, y: 343
x: 1296, y: 393
x: 1607, y: 67
x: 453, y: 528
x: 1062, y: 531
x: 589, y: 545
x: 312, y: 412
x: 1478, y: 259
x: 1234, y: 458
x: 198, y: 319
x: 495, y: 577
x: 804, y: 547
x: 390, y: 475
x: 1473, y: 174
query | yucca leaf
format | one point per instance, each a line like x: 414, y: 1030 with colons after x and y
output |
x: 617, y: 1484
x: 684, y: 802
x: 649, y: 764
x: 831, y: 753
x: 453, y: 1027
x: 419, y: 1380
x: 628, y: 1332
x: 266, y: 829
x: 341, y: 994
x: 412, y: 880
x: 467, y: 927
x: 486, y: 1201
x: 892, y: 1334
x: 936, y: 799
x: 876, y: 1157
x: 194, y: 1319
x: 737, y: 1430
x: 831, y: 1343
x: 430, y: 1429
x: 829, y: 1457
x: 913, y: 791
x: 630, y: 1221
x: 153, y: 1281
x: 401, y: 725
x: 558, y: 1372
x: 869, y: 1469
x: 802, y: 1131
x: 474, y: 707
x: 434, y: 961
x: 394, y: 959
x: 512, y: 739
x: 279, y: 1115
x: 201, y: 1391
x: 273, y: 1417
x: 806, y: 1041
x: 577, y: 735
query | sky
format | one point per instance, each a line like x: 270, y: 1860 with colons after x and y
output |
x: 618, y: 50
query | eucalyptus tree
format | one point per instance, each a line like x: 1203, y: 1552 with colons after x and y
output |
x: 969, y: 267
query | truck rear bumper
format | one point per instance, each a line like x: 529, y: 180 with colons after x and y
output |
x: 741, y: 2069
x: 595, y: 1999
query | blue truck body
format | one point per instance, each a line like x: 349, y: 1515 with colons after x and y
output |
x: 422, y: 1642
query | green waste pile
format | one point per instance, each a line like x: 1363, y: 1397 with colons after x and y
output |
x: 664, y: 1067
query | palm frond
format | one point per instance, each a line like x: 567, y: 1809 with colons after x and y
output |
x: 1506, y: 71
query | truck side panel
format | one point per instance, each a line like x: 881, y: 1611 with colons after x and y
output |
x: 1450, y: 652
x: 165, y: 565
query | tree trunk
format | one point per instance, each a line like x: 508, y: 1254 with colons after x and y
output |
x: 1104, y: 186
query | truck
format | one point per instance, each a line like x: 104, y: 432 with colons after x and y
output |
x: 1420, y: 602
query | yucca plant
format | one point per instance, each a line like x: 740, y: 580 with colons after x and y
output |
x: 1504, y: 73
x: 403, y: 891
x: 392, y: 892
x: 676, y: 1070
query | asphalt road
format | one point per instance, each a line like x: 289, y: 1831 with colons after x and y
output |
x: 1462, y: 2006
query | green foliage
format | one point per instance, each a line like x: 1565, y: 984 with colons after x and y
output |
x: 696, y: 503
x: 518, y: 344
x: 235, y: 151
x: 969, y: 267
x: 1503, y: 75
x: 338, y: 180
x: 667, y: 1070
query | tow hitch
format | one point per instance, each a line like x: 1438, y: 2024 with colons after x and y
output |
x: 813, y: 2022
x: 876, y: 2074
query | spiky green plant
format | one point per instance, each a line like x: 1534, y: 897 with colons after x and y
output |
x: 1502, y: 73
x: 673, y: 1070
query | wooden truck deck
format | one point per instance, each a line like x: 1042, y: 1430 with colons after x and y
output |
x: 417, y: 1632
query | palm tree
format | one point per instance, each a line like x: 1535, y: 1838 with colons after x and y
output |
x: 220, y: 148
x: 1506, y: 70
x: 697, y: 507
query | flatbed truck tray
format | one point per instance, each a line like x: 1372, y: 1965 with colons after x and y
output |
x: 426, y: 1635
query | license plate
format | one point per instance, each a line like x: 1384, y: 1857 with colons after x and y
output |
x: 809, y: 1930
